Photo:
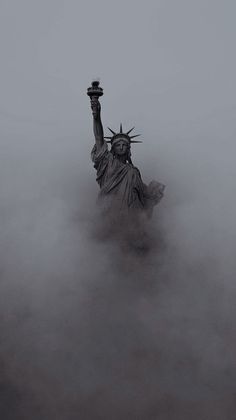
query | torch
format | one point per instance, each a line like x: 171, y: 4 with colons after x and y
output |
x: 94, y: 91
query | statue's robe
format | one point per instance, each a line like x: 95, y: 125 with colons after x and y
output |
x: 121, y: 185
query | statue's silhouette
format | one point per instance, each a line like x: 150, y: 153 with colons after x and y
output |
x: 121, y: 187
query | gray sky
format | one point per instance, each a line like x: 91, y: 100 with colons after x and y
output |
x: 94, y: 340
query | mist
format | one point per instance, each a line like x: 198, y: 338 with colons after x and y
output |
x: 91, y: 329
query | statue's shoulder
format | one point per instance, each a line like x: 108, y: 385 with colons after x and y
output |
x: 136, y: 170
x: 99, y: 154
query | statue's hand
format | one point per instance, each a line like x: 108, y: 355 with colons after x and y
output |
x: 96, y: 107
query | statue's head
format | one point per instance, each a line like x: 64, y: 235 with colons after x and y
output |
x: 120, y: 147
x: 121, y: 143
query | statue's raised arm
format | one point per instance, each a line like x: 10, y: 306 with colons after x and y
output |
x: 94, y: 92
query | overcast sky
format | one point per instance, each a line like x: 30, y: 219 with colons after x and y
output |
x: 168, y: 68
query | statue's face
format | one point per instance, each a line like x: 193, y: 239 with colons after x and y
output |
x: 121, y: 148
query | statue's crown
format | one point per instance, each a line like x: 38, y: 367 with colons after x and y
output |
x: 122, y: 135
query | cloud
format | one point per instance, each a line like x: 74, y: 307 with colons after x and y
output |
x: 91, y: 327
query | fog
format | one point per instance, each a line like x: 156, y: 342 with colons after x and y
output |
x: 91, y: 330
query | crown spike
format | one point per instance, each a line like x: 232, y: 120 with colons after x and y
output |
x: 130, y: 130
x: 137, y: 135
x: 107, y: 137
x: 121, y: 130
x: 135, y: 141
x: 113, y: 132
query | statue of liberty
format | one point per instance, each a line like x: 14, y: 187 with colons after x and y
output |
x: 122, y: 190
